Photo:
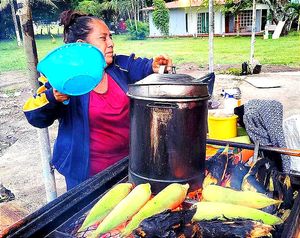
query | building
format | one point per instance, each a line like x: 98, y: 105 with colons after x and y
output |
x: 190, y: 17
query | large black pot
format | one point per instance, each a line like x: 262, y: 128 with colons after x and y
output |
x: 168, y: 130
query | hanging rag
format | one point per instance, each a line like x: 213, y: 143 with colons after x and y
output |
x: 263, y: 121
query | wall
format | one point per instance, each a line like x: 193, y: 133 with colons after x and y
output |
x: 177, y: 24
x: 153, y: 30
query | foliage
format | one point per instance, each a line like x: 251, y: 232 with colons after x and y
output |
x: 90, y: 7
x: 43, y: 11
x: 6, y: 24
x: 294, y: 8
x: 205, y: 3
x: 234, y: 7
x: 142, y: 30
x: 161, y: 16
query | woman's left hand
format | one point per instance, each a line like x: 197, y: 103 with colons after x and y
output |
x: 162, y: 60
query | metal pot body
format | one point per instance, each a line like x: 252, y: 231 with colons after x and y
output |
x: 167, y: 141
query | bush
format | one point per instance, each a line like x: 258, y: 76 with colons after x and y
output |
x: 142, y: 30
x: 232, y: 71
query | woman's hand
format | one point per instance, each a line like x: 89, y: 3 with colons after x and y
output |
x: 59, y: 96
x: 161, y: 60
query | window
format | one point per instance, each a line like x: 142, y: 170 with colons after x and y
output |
x: 245, y: 19
x: 186, y: 23
x: 202, y: 23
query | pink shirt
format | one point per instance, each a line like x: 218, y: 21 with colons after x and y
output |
x: 109, y: 127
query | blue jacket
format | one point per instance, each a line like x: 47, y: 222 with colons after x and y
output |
x: 71, y: 148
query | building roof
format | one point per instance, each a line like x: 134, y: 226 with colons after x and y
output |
x: 183, y: 4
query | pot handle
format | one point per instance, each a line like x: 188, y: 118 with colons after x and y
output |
x: 164, y: 105
x: 162, y: 69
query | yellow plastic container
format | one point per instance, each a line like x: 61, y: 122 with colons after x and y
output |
x: 222, y: 127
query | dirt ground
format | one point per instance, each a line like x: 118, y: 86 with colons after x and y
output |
x: 20, y: 164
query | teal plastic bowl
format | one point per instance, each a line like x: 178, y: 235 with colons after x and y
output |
x: 73, y: 69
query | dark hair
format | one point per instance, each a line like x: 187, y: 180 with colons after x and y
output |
x: 76, y: 25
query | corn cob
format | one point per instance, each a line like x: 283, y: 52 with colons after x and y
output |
x: 214, y: 193
x: 223, y: 211
x: 125, y: 209
x: 169, y: 198
x: 106, y: 204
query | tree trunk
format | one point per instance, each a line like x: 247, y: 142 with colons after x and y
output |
x: 253, y: 34
x: 32, y: 59
x: 138, y: 10
x: 286, y: 27
x: 134, y: 13
x: 211, y: 35
x: 129, y: 18
x: 13, y: 13
x: 298, y: 26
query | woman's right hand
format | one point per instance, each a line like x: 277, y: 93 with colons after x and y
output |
x: 59, y: 96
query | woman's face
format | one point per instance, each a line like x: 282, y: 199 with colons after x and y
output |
x: 101, y: 37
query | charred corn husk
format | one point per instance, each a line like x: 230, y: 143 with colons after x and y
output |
x: 235, y: 173
x: 214, y: 193
x: 106, y: 204
x: 223, y: 211
x: 160, y: 225
x: 169, y: 198
x: 178, y: 224
x: 216, y: 168
x: 130, y: 205
x: 255, y: 179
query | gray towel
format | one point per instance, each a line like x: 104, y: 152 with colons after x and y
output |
x: 263, y: 122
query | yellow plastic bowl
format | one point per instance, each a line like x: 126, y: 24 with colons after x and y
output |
x: 222, y: 127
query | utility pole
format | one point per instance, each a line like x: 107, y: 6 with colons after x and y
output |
x: 211, y: 35
x: 253, y: 34
x: 24, y: 11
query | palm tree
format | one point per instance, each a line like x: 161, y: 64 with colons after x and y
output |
x: 280, y: 12
x: 295, y: 9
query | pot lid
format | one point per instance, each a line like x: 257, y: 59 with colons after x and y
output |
x: 169, y: 86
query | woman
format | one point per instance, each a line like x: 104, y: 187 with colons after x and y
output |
x: 93, y: 128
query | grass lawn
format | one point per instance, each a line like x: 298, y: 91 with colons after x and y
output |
x: 228, y: 50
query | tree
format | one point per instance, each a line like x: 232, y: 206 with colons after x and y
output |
x: 279, y: 12
x: 32, y: 59
x: 161, y: 16
x: 234, y: 7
